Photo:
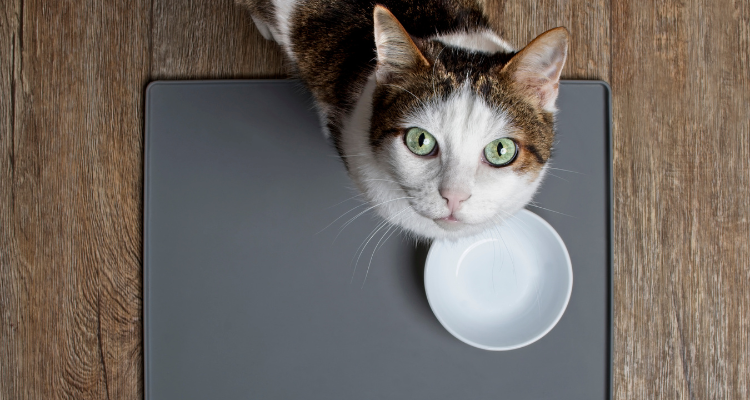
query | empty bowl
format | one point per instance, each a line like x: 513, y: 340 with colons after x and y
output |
x: 503, y: 289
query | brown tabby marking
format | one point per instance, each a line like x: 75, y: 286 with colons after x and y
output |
x: 450, y: 68
x: 336, y: 68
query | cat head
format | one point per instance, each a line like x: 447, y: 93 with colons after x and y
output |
x: 461, y: 127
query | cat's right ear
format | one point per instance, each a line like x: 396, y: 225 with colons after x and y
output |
x: 397, y: 53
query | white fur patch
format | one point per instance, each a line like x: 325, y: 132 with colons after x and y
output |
x: 263, y: 28
x: 481, y: 41
x: 281, y: 32
x: 405, y: 187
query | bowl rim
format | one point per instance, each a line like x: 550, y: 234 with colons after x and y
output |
x: 557, y: 318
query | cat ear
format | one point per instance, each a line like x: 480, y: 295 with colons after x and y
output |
x: 397, y: 53
x: 536, y: 69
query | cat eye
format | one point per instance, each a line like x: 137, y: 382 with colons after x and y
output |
x: 501, y: 152
x: 420, y: 142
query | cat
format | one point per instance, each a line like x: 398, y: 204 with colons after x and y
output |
x: 441, y: 124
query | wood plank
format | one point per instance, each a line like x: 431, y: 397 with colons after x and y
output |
x: 519, y: 22
x: 71, y: 244
x: 682, y: 199
x: 199, y: 39
x: 10, y: 307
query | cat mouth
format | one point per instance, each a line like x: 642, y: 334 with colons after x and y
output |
x: 450, y: 223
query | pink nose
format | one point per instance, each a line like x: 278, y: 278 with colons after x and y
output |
x: 454, y: 198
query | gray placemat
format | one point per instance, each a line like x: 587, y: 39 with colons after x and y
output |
x: 247, y: 294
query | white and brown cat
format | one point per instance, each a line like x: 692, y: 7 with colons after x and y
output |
x: 440, y: 123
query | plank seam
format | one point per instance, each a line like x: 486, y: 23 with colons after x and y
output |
x: 150, y: 47
x: 144, y: 216
x: 101, y: 345
x: 685, y: 366
x: 13, y: 104
x: 611, y: 148
x: 13, y: 114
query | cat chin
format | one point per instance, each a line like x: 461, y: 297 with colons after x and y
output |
x: 420, y: 227
x: 457, y: 233
x: 437, y: 232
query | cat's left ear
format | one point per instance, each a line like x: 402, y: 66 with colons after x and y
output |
x: 536, y: 69
x: 397, y: 53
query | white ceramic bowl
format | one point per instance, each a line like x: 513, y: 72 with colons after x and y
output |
x: 503, y: 289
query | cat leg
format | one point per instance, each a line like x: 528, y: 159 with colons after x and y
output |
x: 323, y: 111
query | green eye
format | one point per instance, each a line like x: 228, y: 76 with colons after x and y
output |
x: 501, y: 152
x: 420, y: 142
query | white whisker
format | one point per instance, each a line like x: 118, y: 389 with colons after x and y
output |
x: 400, y: 87
x: 378, y: 245
x: 342, y: 216
x: 369, y: 264
x: 547, y: 209
x: 361, y: 248
x: 343, y: 201
x: 352, y: 155
x: 512, y: 217
x: 558, y: 177
x: 380, y: 226
x: 494, y: 261
x: 381, y: 180
x: 567, y: 170
x: 368, y: 209
x: 507, y: 250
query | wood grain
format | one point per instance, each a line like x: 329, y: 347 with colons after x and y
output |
x: 72, y: 77
x: 682, y: 199
x: 519, y: 22
x: 11, y: 307
x: 210, y: 39
x: 71, y: 213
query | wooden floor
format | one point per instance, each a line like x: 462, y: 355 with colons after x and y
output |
x: 72, y: 79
